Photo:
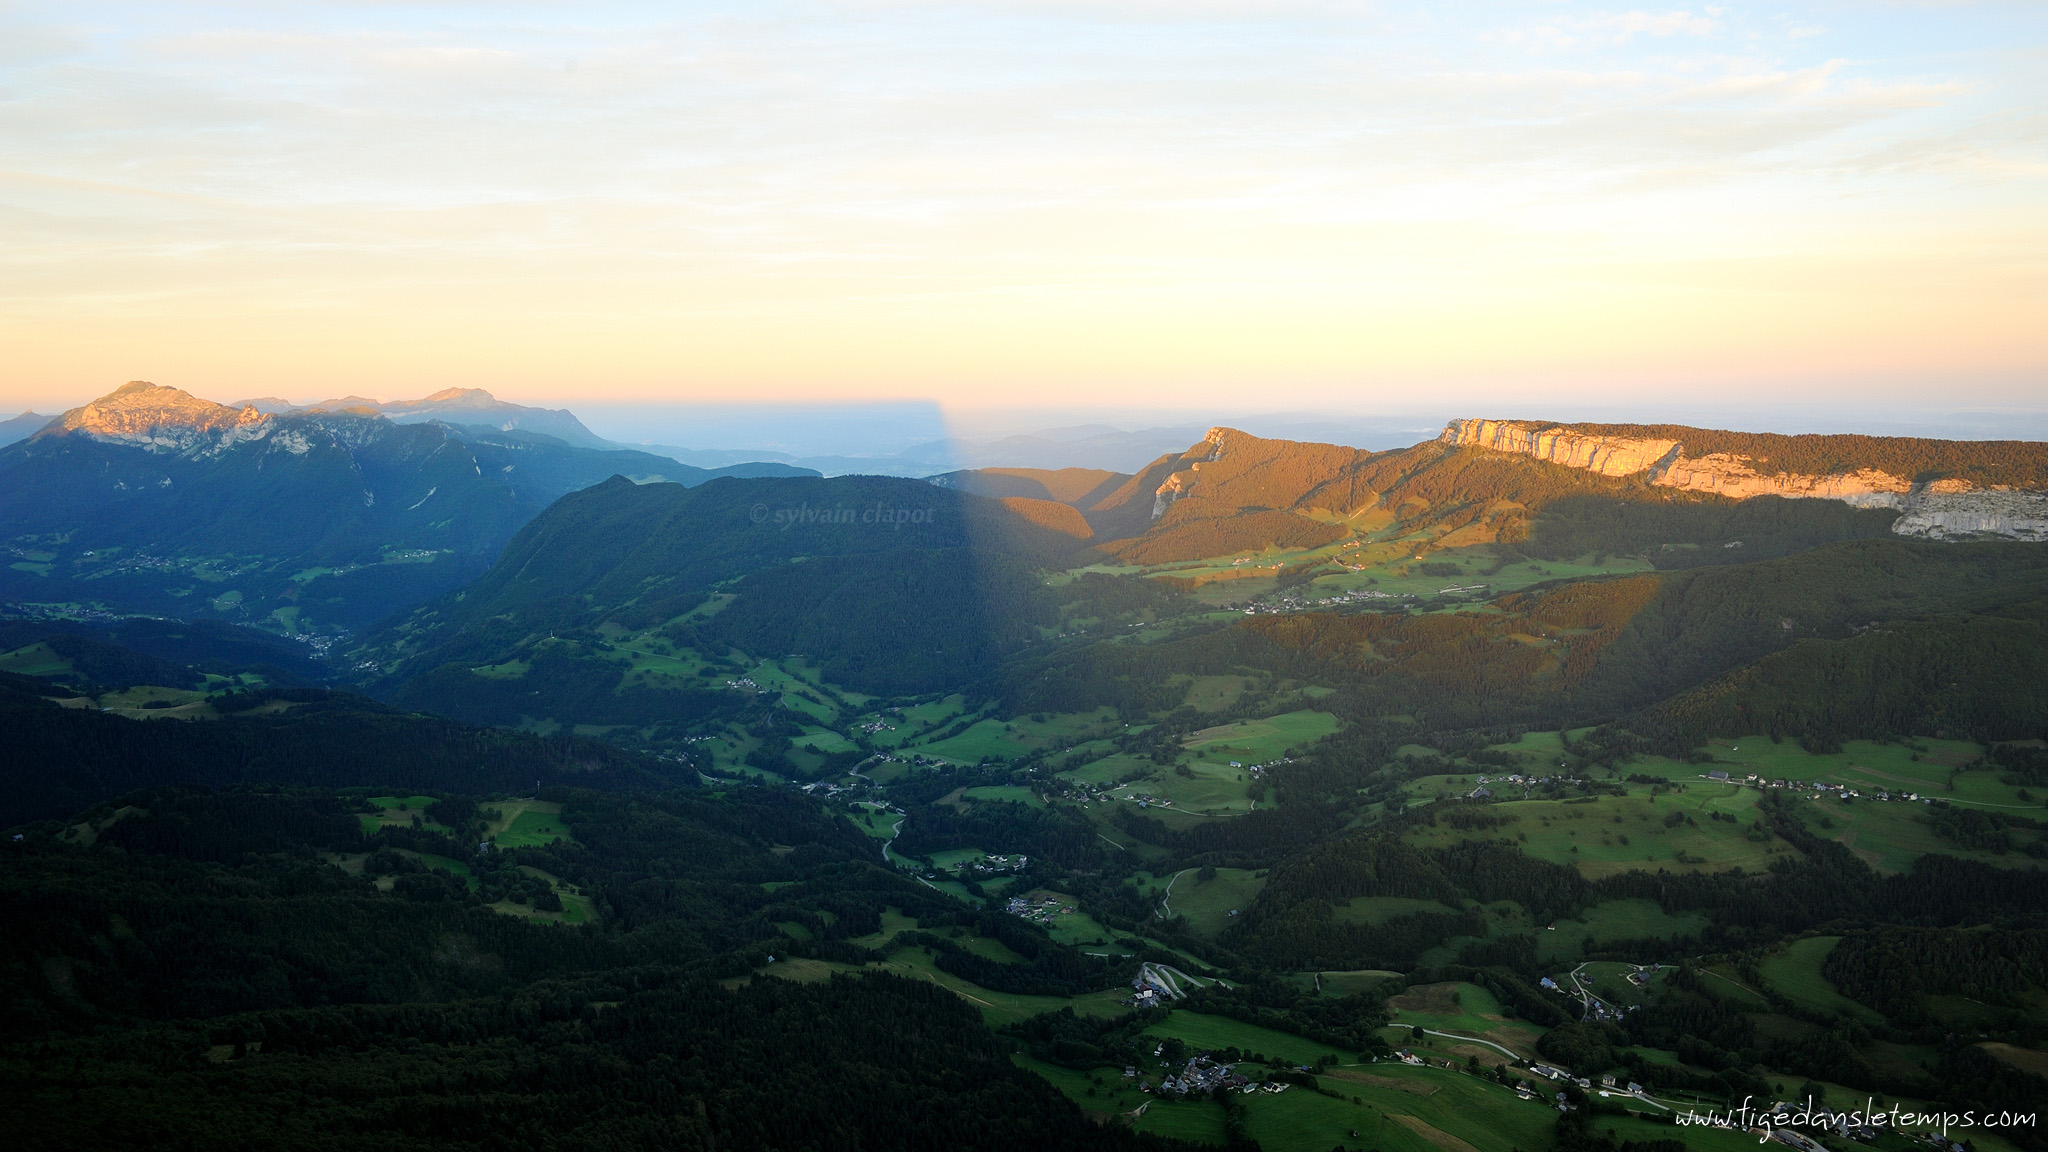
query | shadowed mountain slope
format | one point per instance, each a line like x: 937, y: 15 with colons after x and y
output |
x: 888, y: 584
x: 153, y: 500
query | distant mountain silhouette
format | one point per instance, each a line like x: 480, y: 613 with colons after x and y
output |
x: 22, y: 427
x: 153, y: 500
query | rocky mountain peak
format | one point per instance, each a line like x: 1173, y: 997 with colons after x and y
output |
x: 452, y: 398
x: 159, y: 418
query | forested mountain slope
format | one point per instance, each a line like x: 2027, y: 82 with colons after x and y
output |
x: 267, y: 968
x: 58, y: 760
x: 891, y: 585
x: 1515, y: 760
x: 152, y: 500
x: 1491, y: 481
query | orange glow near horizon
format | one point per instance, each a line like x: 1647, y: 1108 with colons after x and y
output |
x: 1521, y: 202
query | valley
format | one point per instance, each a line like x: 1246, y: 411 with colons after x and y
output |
x: 1277, y: 793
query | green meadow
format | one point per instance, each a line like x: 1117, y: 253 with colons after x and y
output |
x: 1610, y: 834
x: 1618, y: 920
x: 1380, y: 909
x: 1794, y: 972
x: 528, y: 824
x: 1254, y: 741
x: 1206, y: 906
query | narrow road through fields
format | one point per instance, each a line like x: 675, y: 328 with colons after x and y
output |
x: 1166, y: 897
x: 1168, y: 979
x: 1509, y: 1053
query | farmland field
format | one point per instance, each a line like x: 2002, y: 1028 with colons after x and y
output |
x: 1614, y: 834
x: 1380, y: 909
x: 1795, y: 974
x: 1205, y: 906
x: 528, y: 824
x: 1618, y: 920
x: 1255, y: 741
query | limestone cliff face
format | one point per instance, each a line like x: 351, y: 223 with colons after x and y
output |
x: 1937, y: 509
x: 1726, y: 475
x: 159, y: 419
x: 1607, y: 455
x: 1984, y: 512
x: 1181, y: 481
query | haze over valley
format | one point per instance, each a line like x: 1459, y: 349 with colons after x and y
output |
x: 1263, y: 792
x: 1092, y: 576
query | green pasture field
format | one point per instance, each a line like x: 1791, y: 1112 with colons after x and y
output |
x: 448, y: 864
x: 1540, y: 746
x: 999, y: 1008
x: 915, y: 721
x: 1618, y: 920
x: 1018, y: 736
x: 796, y: 687
x: 1254, y: 741
x: 1355, y: 981
x: 1462, y: 1008
x: 1398, y: 1108
x: 728, y: 754
x: 1887, y: 835
x: 1115, y: 1098
x: 1205, y: 907
x: 1372, y: 1098
x: 1215, y: 693
x: 1860, y: 762
x: 1608, y: 980
x: 649, y: 659
x: 951, y: 859
x: 1450, y: 1006
x: 1013, y: 793
x: 1794, y: 973
x: 987, y: 949
x: 528, y: 824
x: 1201, y: 1031
x: 1890, y: 836
x: 577, y: 908
x: 1590, y: 836
x: 822, y: 740
x: 1064, y: 728
x: 1380, y: 909
x: 1982, y: 788
x: 953, y: 888
x: 34, y: 660
x: 1077, y: 927
x: 804, y: 704
x: 877, y: 822
x: 1110, y: 769
x: 397, y: 810
x: 1960, y: 1012
x: 1724, y: 981
x: 986, y: 738
x: 182, y: 704
x: 1210, y: 789
x: 894, y: 923
x: 1398, y: 575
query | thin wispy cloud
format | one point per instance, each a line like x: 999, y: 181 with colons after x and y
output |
x: 592, y: 192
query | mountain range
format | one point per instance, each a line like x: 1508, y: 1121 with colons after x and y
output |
x: 309, y: 521
x: 1523, y: 787
x: 458, y: 406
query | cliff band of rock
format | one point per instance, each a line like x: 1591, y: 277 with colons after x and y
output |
x: 162, y: 419
x: 1935, y: 509
x: 1181, y: 482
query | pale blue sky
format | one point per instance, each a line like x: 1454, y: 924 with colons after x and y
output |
x: 1344, y: 204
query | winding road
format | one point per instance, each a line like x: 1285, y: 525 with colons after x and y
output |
x: 1166, y: 897
x: 1162, y: 977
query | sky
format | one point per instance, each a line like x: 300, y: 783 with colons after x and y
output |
x: 1229, y: 204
